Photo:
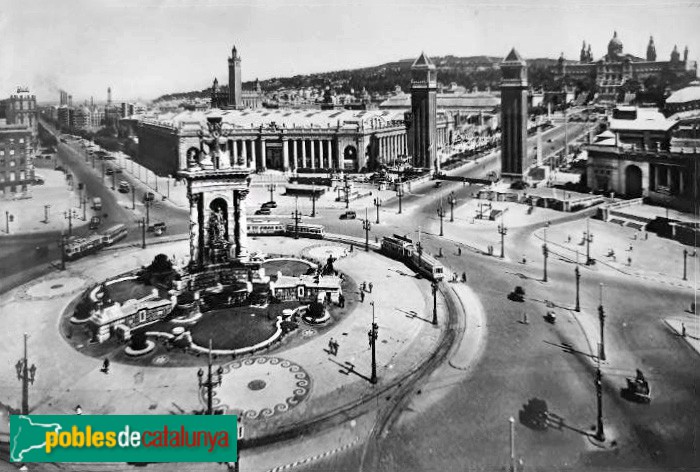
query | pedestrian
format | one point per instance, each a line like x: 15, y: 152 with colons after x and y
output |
x: 341, y: 300
x: 363, y: 287
x: 335, y: 348
x: 371, y: 286
x: 459, y: 251
x: 351, y: 248
x: 362, y: 297
x: 683, y: 329
x: 105, y: 366
x: 464, y: 277
x: 331, y: 345
x: 524, y: 259
x: 568, y: 239
x: 629, y: 261
x: 525, y: 318
x: 78, y: 410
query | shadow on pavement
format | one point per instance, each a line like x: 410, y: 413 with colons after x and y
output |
x: 349, y: 368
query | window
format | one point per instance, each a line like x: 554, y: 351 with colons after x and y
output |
x: 2, y: 152
x: 21, y: 140
x: 22, y: 175
x: 12, y: 178
x: 12, y: 163
x: 12, y: 152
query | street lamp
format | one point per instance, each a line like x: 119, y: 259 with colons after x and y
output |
x: 399, y: 194
x: 511, y: 420
x: 271, y: 187
x: 545, y: 253
x: 142, y: 223
x: 502, y: 230
x: 588, y: 238
x: 372, y: 334
x: 296, y: 216
x: 68, y: 215
x: 685, y: 264
x: 452, y: 200
x: 313, y: 201
x: 347, y: 192
x: 601, y: 318
x: 577, y: 273
x: 26, y: 375
x: 210, y: 381
x: 366, y: 225
x: 8, y: 217
x: 441, y: 215
x: 435, y: 287
x: 62, y: 246
x: 377, y: 203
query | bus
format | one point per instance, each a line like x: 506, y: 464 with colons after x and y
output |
x: 114, y: 234
x: 306, y: 230
x: 265, y: 228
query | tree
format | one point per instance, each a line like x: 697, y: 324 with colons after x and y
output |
x: 316, y: 310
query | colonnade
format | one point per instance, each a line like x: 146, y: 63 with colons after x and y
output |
x: 296, y: 153
x: 391, y: 147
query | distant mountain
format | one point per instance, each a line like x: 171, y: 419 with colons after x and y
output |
x: 472, y: 71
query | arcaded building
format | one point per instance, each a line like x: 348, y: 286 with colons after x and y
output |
x: 281, y: 139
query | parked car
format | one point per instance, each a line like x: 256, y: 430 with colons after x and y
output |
x: 269, y: 205
x: 263, y: 211
x: 94, y: 222
x: 149, y: 197
x: 97, y: 203
x: 124, y: 187
x: 348, y: 215
x: 158, y: 228
x: 438, y: 184
x: 109, y: 171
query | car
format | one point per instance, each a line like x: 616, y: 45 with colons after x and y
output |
x: 95, y: 222
x: 109, y: 171
x: 348, y: 215
x: 149, y: 197
x: 263, y: 211
x: 549, y: 140
x: 124, y: 187
x: 158, y: 228
x: 269, y: 205
x: 438, y: 184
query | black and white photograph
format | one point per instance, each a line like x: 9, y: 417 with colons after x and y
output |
x: 352, y: 235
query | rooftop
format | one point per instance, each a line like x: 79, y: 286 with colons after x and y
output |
x: 688, y: 94
x: 648, y: 119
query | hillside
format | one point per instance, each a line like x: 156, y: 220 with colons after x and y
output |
x: 479, y: 71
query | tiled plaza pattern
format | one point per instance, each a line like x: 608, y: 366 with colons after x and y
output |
x: 261, y: 387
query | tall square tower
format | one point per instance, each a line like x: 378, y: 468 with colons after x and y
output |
x: 235, y: 89
x: 424, y: 113
x: 513, y: 116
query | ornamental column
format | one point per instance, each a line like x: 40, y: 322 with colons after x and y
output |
x: 244, y: 154
x: 241, y: 225
x: 253, y: 154
x: 234, y: 152
x: 303, y: 153
x: 313, y: 164
x: 285, y: 155
x: 295, y: 158
x: 329, y: 151
x: 320, y: 155
x: 195, y: 251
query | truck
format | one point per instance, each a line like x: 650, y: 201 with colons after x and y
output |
x: 97, y: 203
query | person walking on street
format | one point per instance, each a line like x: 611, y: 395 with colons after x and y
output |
x: 335, y: 348
x: 362, y: 297
x: 105, y: 366
x: 371, y: 286
x: 331, y: 346
x: 683, y: 329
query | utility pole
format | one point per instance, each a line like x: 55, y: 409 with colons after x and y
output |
x: 399, y: 194
x: 114, y: 179
x: 372, y: 334
x: 148, y: 211
x: 62, y: 245
x: 297, y: 217
x: 46, y: 213
x: 271, y: 187
x: 502, y: 230
x: 419, y: 246
x: 577, y: 272
x: 588, y: 238
x: 377, y: 203
x: 511, y: 420
x: 27, y: 375
x: 435, y: 287
x: 599, y: 433
x: 685, y: 264
x: 347, y: 192
x: 8, y: 217
x: 452, y: 200
x: 133, y: 198
x: 366, y: 225
x: 143, y: 233
x: 313, y: 202
x: 210, y: 382
x: 545, y: 253
x: 601, y: 318
x: 441, y: 215
x: 84, y: 203
x: 103, y: 171
x: 69, y: 216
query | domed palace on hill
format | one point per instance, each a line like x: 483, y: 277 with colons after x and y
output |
x: 615, y: 68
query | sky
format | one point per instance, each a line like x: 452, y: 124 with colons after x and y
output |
x: 145, y: 48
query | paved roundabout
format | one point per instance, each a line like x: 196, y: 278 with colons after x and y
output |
x: 261, y: 387
x: 53, y: 287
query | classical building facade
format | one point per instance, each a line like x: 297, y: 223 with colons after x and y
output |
x: 233, y: 96
x: 615, y: 68
x: 423, y: 117
x: 514, y: 117
x: 648, y: 157
x: 281, y: 139
x: 16, y: 158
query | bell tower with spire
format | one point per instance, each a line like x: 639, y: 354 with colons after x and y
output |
x: 583, y: 57
x: 651, y: 50
x: 235, y: 89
